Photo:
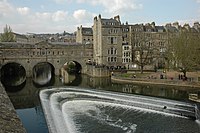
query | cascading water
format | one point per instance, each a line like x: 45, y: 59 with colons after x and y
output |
x: 197, y: 111
x: 79, y: 110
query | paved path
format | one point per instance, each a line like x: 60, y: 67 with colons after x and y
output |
x: 9, y: 121
x: 156, y: 81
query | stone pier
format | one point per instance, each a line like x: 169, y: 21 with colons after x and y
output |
x: 9, y: 121
x: 97, y: 71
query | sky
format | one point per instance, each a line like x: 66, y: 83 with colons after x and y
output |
x: 57, y: 16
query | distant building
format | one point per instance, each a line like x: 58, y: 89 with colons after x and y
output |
x: 20, y: 38
x: 84, y: 35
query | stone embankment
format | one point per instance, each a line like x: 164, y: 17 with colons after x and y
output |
x: 169, y: 82
x: 9, y: 121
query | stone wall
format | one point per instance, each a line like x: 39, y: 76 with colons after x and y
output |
x: 29, y: 55
x: 97, y: 71
x: 9, y: 121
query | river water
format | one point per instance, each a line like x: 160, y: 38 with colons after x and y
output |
x: 107, y: 117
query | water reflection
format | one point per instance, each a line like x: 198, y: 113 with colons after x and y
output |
x: 43, y: 73
x: 26, y: 98
x: 13, y: 76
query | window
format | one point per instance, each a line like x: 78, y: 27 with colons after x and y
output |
x: 112, y: 51
x: 111, y: 39
x: 115, y: 59
x: 108, y: 51
x: 115, y: 40
x: 115, y: 51
x: 111, y: 59
x: 108, y: 59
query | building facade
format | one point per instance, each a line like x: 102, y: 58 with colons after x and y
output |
x: 118, y: 45
x: 84, y: 35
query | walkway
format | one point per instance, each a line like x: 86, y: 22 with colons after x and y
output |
x: 170, y: 78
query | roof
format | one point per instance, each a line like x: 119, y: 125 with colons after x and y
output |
x: 160, y: 28
x: 110, y: 21
x: 87, y: 31
x: 171, y: 29
x: 20, y: 36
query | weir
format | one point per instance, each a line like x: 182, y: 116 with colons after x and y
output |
x: 197, y: 111
x: 75, y: 109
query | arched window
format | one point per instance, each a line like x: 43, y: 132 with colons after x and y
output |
x: 108, y: 59
x: 108, y: 51
x: 111, y: 49
x: 115, y: 59
x: 111, y: 59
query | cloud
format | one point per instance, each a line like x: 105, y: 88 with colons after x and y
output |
x: 82, y: 15
x: 42, y: 16
x: 23, y: 10
x: 5, y: 8
x: 59, y: 16
x: 114, y: 6
x: 189, y: 21
x: 198, y: 1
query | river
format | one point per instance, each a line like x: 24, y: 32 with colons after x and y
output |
x: 28, y: 107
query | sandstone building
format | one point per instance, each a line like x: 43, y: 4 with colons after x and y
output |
x: 131, y: 46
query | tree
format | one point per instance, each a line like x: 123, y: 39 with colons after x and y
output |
x: 8, y: 35
x: 183, y: 51
x: 144, y: 51
x: 71, y: 67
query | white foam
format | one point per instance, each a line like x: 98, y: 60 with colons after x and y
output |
x: 60, y: 103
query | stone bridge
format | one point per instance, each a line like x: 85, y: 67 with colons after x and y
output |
x: 29, y: 55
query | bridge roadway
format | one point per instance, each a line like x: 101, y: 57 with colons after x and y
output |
x: 28, y: 55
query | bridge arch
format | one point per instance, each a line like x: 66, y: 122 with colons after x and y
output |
x: 43, y: 73
x: 13, y: 75
x: 72, y: 67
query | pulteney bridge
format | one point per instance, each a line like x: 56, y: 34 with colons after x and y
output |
x: 28, y: 56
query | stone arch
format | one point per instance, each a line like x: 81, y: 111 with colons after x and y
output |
x: 71, y: 74
x: 43, y: 73
x: 77, y: 68
x: 12, y: 75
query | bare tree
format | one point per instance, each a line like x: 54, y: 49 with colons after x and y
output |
x: 143, y: 51
x: 184, y: 51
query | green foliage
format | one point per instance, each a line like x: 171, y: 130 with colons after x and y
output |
x: 8, y: 35
x: 71, y: 67
x: 184, y: 51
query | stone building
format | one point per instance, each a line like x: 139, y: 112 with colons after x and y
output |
x: 107, y: 35
x: 20, y: 38
x: 84, y: 35
x: 129, y: 46
x: 126, y: 46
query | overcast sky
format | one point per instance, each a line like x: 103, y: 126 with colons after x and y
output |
x: 55, y: 16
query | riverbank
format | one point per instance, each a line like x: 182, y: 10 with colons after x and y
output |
x: 9, y: 121
x: 169, y: 79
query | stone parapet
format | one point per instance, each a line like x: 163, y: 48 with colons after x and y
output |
x: 9, y: 121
